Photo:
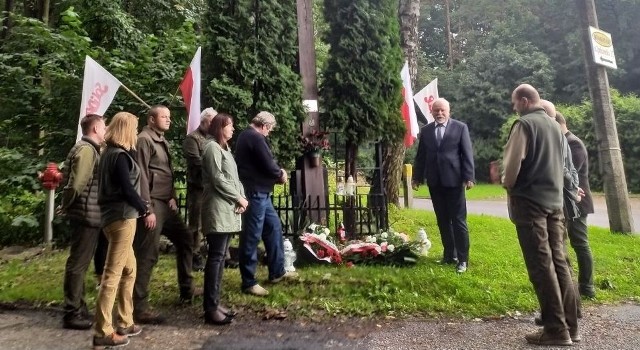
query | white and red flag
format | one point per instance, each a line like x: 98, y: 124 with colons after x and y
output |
x: 99, y: 88
x: 408, y: 110
x: 190, y: 88
x: 425, y: 99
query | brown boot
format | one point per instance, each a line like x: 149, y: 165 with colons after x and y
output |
x: 113, y: 340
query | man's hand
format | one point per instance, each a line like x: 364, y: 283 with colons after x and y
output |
x: 59, y: 210
x: 580, y: 195
x: 415, y: 185
x: 469, y: 185
x: 172, y: 204
x: 150, y: 221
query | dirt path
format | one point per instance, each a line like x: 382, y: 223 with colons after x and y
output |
x: 603, y: 327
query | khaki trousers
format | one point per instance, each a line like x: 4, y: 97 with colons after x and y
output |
x: 119, y: 277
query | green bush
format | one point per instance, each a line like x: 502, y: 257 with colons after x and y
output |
x: 627, y: 114
x: 580, y: 122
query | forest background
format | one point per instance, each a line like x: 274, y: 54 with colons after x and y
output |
x: 250, y: 64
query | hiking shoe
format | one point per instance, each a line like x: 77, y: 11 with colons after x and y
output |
x: 130, y: 331
x: 148, y: 317
x: 538, y: 321
x: 231, y: 264
x: 256, y: 290
x: 289, y: 275
x: 575, y: 335
x: 187, y: 298
x: 76, y: 321
x: 197, y: 263
x: 111, y: 341
x: 542, y: 338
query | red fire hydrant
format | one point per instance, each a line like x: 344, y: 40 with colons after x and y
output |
x: 50, y: 178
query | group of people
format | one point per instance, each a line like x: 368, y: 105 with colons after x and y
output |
x: 121, y: 183
x: 545, y: 173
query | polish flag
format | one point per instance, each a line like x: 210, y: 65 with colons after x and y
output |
x: 408, y: 110
x: 425, y: 99
x: 99, y: 88
x: 190, y: 88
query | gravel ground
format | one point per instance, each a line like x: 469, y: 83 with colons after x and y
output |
x: 603, y: 327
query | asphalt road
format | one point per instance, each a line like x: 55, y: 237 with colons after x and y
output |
x: 499, y: 208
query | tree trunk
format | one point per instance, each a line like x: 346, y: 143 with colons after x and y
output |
x: 44, y: 11
x: 393, y: 158
x: 448, y: 34
x: 409, y: 13
x: 6, y: 22
x: 615, y: 183
x: 393, y: 155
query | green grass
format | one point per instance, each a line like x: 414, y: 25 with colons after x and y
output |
x: 478, y: 192
x: 496, y: 283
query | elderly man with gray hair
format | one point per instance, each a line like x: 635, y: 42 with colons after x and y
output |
x: 259, y: 172
x: 192, y: 148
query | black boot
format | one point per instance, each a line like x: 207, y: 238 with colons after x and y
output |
x: 76, y: 320
x: 198, y: 263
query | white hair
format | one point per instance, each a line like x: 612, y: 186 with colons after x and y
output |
x: 443, y: 101
x: 208, y: 112
x: 264, y: 118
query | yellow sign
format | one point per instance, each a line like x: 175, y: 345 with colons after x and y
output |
x: 602, y: 48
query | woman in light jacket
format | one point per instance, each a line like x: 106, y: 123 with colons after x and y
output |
x: 223, y: 202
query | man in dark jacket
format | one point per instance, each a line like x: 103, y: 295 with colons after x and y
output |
x: 259, y: 172
x: 192, y: 148
x: 80, y: 206
x: 156, y: 188
x: 577, y: 227
x: 445, y: 159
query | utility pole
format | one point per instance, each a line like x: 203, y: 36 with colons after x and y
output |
x: 313, y: 183
x: 610, y: 156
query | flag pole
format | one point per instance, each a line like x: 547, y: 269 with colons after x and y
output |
x: 134, y: 95
x: 173, y: 97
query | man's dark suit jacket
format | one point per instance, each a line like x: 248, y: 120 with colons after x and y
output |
x: 447, y: 165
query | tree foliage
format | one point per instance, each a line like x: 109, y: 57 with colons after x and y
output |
x: 249, y: 57
x: 361, y: 91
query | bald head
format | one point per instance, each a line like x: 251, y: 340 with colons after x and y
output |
x: 525, y: 98
x: 562, y: 121
x: 549, y: 107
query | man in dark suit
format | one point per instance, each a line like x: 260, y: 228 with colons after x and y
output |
x: 445, y: 160
x: 577, y: 227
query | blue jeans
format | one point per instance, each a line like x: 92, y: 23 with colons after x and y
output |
x: 260, y: 221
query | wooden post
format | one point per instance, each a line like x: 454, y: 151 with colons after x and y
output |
x: 407, y: 174
x: 313, y: 187
x: 615, y: 183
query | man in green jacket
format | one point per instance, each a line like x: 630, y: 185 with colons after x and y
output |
x: 80, y: 206
x: 192, y: 148
x: 533, y: 176
x: 156, y: 187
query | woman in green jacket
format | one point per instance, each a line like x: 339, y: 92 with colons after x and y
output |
x: 223, y: 203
